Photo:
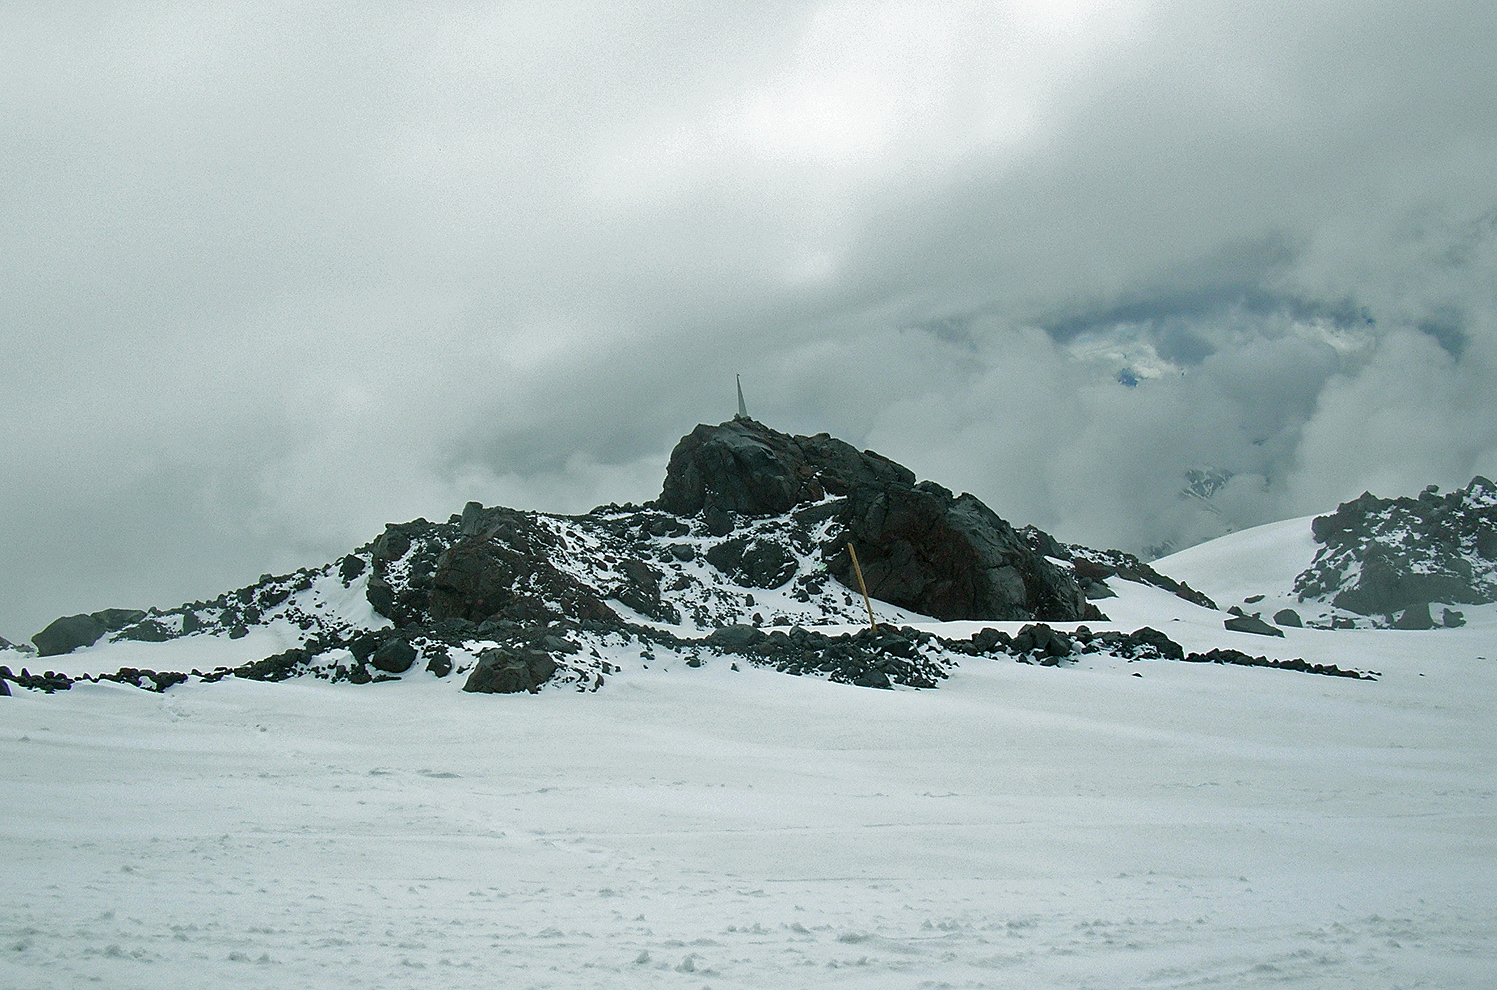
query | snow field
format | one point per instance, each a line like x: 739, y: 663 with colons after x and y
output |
x: 1020, y: 826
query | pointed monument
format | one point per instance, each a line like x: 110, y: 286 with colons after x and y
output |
x: 742, y: 409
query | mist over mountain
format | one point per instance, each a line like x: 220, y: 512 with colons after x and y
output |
x: 277, y: 276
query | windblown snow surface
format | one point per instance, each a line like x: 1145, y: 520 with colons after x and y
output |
x: 1195, y: 825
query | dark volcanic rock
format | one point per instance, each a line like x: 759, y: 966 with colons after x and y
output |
x: 1244, y: 660
x: 147, y: 631
x: 1251, y: 624
x: 394, y: 656
x: 391, y: 545
x: 951, y: 558
x: 920, y: 547
x: 640, y: 589
x: 274, y: 668
x: 756, y: 563
x: 351, y: 567
x: 504, y: 571
x: 46, y: 682
x: 1382, y: 556
x: 1039, y: 640
x: 736, y: 637
x: 510, y: 670
x: 1148, y: 643
x: 743, y: 466
x: 66, y: 634
x: 381, y: 596
x: 1415, y: 617
x: 70, y: 632
x: 115, y: 619
x: 1288, y: 617
x: 1386, y: 585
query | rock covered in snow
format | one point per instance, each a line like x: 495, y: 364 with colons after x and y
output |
x: 920, y: 547
x: 1094, y: 567
x: 1383, y: 556
x: 1251, y: 624
x: 741, y: 557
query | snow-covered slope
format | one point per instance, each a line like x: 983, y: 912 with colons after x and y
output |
x: 1023, y: 826
x: 1283, y: 566
x: 1264, y: 560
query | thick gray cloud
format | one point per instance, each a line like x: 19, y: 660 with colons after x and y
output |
x: 273, y: 275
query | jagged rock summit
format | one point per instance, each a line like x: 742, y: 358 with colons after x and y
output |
x: 921, y: 547
x: 1381, y: 556
x: 743, y: 466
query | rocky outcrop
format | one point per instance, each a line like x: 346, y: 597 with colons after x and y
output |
x: 920, y: 547
x: 1251, y: 624
x: 745, y: 467
x: 1094, y: 567
x: 1383, y: 556
x: 509, y: 671
x: 67, y: 634
x: 744, y: 549
x: 506, y: 568
x: 523, y: 567
x: 71, y: 632
x: 949, y: 557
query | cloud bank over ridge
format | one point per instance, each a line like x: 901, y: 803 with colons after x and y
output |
x: 274, y: 276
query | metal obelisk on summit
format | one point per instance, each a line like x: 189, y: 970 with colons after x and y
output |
x: 742, y: 409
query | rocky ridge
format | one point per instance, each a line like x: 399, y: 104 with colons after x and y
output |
x: 742, y: 556
x: 1092, y: 568
x: 1393, y: 558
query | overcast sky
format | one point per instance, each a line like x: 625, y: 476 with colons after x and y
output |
x: 273, y: 275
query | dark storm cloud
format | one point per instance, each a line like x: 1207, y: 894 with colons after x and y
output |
x: 271, y: 275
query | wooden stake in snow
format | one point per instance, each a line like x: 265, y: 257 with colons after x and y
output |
x: 862, y: 585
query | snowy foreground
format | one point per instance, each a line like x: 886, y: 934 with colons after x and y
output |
x: 1021, y: 826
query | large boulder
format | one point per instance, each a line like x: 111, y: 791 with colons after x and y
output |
x: 67, y: 634
x: 70, y: 632
x: 509, y: 670
x: 1415, y: 617
x: 950, y: 557
x: 393, y: 656
x: 1251, y: 624
x: 504, y: 570
x: 743, y: 466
